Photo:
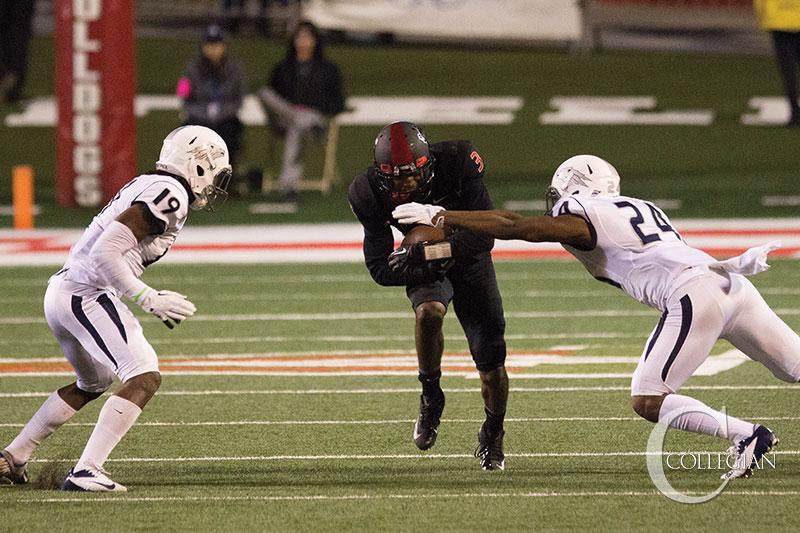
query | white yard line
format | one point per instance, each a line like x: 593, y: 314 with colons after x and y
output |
x: 382, y: 457
x: 327, y: 296
x: 329, y: 373
x: 244, y: 423
x: 383, y: 363
x: 94, y: 498
x: 374, y: 315
x: 346, y: 338
x: 359, y: 296
x: 415, y: 390
x: 393, y: 315
x: 280, y: 279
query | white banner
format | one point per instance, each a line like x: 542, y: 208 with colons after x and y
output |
x: 548, y: 20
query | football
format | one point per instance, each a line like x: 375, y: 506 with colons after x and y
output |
x: 423, y: 233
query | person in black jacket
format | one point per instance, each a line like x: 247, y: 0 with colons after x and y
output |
x: 212, y: 90
x: 407, y: 169
x: 304, y: 92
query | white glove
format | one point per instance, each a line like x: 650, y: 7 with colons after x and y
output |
x: 171, y: 307
x: 752, y: 262
x: 414, y: 213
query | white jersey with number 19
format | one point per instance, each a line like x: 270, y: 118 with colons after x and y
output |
x: 168, y: 201
x: 636, y: 247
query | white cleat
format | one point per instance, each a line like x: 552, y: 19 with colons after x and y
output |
x: 12, y: 473
x: 748, y: 451
x: 90, y: 480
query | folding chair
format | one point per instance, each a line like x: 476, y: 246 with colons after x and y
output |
x: 328, y: 176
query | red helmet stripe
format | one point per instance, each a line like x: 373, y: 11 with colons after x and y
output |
x: 401, y: 148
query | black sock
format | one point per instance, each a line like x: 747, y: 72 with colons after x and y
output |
x: 430, y: 384
x: 494, y: 423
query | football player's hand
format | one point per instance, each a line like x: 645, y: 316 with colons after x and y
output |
x: 171, y: 307
x: 407, y: 256
x: 414, y: 213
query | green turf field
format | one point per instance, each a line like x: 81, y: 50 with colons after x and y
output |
x: 720, y: 170
x: 324, y: 453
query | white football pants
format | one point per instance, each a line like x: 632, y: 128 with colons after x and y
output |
x: 710, y: 307
x: 98, y: 334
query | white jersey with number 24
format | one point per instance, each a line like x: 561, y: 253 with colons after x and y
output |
x: 636, y: 247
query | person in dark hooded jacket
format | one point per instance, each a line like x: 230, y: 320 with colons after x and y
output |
x: 304, y: 92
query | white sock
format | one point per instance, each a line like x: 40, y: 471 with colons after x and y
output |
x: 116, y: 418
x: 50, y: 416
x: 700, y: 418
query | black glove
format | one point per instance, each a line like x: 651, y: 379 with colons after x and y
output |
x: 407, y: 256
x: 419, y: 254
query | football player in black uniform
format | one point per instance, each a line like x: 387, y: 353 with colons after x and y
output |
x: 408, y: 169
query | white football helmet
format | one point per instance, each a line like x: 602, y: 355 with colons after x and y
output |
x: 199, y: 155
x: 584, y: 174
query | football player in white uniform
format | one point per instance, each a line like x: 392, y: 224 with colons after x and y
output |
x: 97, y: 332
x: 631, y: 244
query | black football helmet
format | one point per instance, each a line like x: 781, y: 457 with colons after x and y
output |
x: 404, y: 162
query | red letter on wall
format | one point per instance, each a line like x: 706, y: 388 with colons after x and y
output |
x: 95, y: 87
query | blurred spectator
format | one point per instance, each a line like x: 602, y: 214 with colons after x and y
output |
x: 212, y: 89
x: 782, y: 20
x: 304, y: 92
x: 15, y: 34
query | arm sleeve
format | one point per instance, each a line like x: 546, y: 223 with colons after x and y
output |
x: 465, y: 244
x: 107, y: 258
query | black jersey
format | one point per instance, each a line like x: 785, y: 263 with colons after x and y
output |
x: 457, y: 184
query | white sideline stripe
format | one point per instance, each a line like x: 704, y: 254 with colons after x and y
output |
x: 296, y: 392
x: 226, y: 423
x: 372, y: 457
x: 371, y: 497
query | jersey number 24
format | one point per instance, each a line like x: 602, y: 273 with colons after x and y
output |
x: 659, y: 219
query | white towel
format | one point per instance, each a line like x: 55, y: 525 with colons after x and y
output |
x: 752, y: 262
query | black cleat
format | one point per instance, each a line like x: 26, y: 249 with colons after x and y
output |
x: 748, y: 451
x: 427, y: 425
x: 490, y: 450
